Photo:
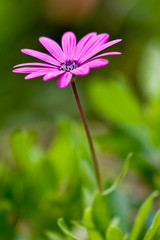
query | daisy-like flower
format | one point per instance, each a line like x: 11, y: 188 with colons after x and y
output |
x: 72, y: 59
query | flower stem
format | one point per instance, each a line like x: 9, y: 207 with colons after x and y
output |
x: 83, y: 118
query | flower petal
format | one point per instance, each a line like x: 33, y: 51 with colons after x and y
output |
x: 106, y: 45
x: 98, y: 49
x: 35, y: 64
x: 53, y: 74
x: 69, y: 45
x: 106, y: 54
x: 81, y: 71
x: 102, y: 38
x: 96, y: 63
x: 64, y: 79
x: 35, y: 75
x: 87, y: 47
x: 42, y: 56
x: 83, y: 43
x: 53, y: 48
x: 97, y: 41
x: 32, y: 69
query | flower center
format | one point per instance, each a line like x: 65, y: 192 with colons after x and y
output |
x: 68, y: 65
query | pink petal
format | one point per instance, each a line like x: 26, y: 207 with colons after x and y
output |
x: 102, y: 38
x: 32, y: 69
x: 80, y: 71
x: 83, y: 44
x: 52, y: 48
x: 64, y: 79
x: 87, y: 46
x: 53, y: 74
x: 97, y: 41
x: 96, y: 63
x: 35, y: 75
x: 42, y: 56
x: 106, y: 45
x: 106, y: 54
x: 35, y: 64
x: 98, y: 49
x: 69, y: 44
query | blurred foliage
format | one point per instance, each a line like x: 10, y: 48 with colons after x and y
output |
x: 102, y: 226
x: 132, y: 127
x: 47, y: 173
x: 102, y: 229
x: 38, y: 187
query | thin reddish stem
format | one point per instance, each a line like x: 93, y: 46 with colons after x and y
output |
x: 83, y: 118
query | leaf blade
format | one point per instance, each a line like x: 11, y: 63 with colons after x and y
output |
x: 120, y: 177
x: 114, y: 233
x: 153, y: 228
x: 65, y: 230
x: 142, y: 215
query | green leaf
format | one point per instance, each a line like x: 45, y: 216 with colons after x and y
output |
x: 65, y: 230
x: 126, y: 236
x: 24, y: 148
x: 90, y: 226
x: 119, y: 207
x: 69, y: 138
x: 142, y: 215
x: 87, y: 219
x: 149, y: 70
x: 100, y: 213
x: 21, y: 141
x: 153, y: 228
x: 111, y: 95
x: 121, y: 176
x: 53, y: 236
x: 114, y: 233
x: 64, y: 161
x: 87, y: 175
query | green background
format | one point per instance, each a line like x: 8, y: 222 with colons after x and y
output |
x: 46, y: 170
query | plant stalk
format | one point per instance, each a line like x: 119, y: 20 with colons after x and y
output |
x: 83, y: 118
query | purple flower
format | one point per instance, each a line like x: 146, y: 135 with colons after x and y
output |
x: 72, y: 59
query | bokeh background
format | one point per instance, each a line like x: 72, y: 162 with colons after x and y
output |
x: 42, y: 144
